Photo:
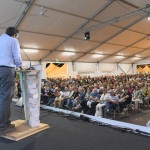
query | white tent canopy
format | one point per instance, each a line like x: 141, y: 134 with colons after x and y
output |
x: 49, y: 31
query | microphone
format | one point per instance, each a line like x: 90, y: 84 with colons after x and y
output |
x: 30, y: 68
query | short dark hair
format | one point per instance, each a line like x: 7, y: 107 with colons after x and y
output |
x: 11, y: 31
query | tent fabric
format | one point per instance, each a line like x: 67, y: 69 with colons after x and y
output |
x: 53, y: 71
x: 51, y: 29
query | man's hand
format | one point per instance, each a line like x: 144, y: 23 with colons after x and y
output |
x: 21, y: 68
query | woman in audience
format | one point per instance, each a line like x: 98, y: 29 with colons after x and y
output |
x: 45, y: 93
x: 76, y: 104
x: 126, y: 99
x: 69, y: 100
x: 137, y: 97
x: 146, y: 94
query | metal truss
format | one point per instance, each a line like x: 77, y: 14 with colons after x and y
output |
x: 140, y: 11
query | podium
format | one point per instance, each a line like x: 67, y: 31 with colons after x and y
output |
x: 30, y: 81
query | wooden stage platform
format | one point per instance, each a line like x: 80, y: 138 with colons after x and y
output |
x: 23, y: 130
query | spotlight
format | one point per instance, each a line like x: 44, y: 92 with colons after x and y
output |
x: 148, y: 17
x: 87, y: 35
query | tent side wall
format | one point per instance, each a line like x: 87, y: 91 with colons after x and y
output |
x: 89, y: 69
x: 92, y: 69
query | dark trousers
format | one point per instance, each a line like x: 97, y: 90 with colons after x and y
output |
x: 50, y: 101
x: 84, y: 106
x: 7, y: 81
x: 123, y: 104
x: 93, y: 107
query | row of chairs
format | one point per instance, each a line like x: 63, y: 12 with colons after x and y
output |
x: 128, y: 108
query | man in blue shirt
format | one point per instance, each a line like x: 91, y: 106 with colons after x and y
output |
x: 9, y: 59
x: 93, y: 101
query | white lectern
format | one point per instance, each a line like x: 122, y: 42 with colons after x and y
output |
x: 30, y: 81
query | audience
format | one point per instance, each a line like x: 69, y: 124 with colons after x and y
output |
x: 92, y: 95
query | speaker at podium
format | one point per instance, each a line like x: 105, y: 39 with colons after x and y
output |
x: 30, y: 81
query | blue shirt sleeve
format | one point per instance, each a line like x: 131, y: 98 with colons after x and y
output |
x: 16, y: 52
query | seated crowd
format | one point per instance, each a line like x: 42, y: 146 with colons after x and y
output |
x: 95, y: 95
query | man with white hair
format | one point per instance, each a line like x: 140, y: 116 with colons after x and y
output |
x: 102, y: 103
x: 93, y: 101
x: 112, y: 102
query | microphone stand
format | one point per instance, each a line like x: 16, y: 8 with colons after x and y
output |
x: 30, y: 68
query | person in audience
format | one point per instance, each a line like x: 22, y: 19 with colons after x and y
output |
x: 146, y: 94
x: 102, y: 103
x: 137, y: 97
x: 15, y: 90
x: 84, y: 101
x: 112, y: 101
x: 45, y: 94
x: 69, y: 100
x: 66, y: 94
x: 52, y: 96
x: 93, y: 101
x: 76, y: 103
x: 19, y: 89
x: 59, y: 97
x: 88, y: 93
x: 118, y: 91
x: 126, y: 99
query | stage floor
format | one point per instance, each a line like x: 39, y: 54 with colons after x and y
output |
x: 66, y: 134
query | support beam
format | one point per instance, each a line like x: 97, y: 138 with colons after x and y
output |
x: 125, y: 47
x: 130, y: 14
x: 56, y: 10
x: 83, y: 24
x: 135, y: 54
x: 54, y: 35
x: 28, y: 5
x: 73, y: 66
x: 143, y: 58
x: 120, y: 68
x: 129, y: 69
x: 111, y: 37
x: 130, y: 4
x: 132, y: 69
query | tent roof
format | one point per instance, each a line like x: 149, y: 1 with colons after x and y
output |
x: 54, y: 33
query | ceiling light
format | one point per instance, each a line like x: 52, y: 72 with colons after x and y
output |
x: 120, y: 53
x: 97, y: 56
x: 69, y: 49
x: 136, y: 58
x: 31, y: 50
x: 119, y: 57
x: 148, y: 17
x: 68, y: 53
x: 137, y: 55
x: 99, y: 52
x: 87, y: 35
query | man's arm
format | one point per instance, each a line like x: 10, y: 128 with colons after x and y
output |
x: 16, y: 53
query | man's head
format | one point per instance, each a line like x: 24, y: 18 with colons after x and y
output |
x: 95, y: 90
x: 112, y: 93
x: 12, y: 31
